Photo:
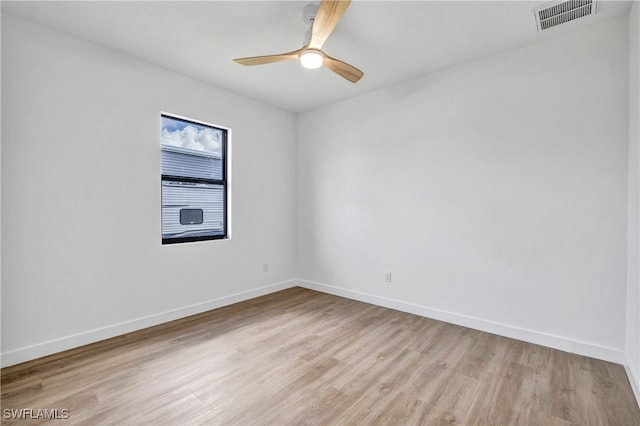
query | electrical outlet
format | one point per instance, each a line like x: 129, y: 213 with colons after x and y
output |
x: 387, y: 277
x: 265, y: 267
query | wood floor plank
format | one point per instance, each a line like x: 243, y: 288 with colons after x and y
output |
x: 299, y: 357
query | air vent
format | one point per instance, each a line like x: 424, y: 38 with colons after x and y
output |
x: 553, y: 14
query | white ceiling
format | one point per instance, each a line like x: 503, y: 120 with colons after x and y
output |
x: 391, y: 41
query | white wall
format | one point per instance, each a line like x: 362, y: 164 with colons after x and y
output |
x: 632, y: 348
x: 494, y: 191
x: 81, y: 245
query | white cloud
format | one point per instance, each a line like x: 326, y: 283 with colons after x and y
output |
x: 205, y: 139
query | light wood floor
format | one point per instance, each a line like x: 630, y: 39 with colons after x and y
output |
x: 302, y: 357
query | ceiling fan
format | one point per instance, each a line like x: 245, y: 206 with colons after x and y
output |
x: 322, y: 21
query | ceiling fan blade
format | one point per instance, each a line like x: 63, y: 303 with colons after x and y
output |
x: 260, y: 60
x: 343, y: 69
x: 327, y: 17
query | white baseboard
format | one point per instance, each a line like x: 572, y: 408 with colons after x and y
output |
x: 526, y: 335
x: 557, y: 342
x: 69, y: 342
x: 633, y: 377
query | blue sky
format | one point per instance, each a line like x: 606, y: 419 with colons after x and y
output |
x: 176, y: 132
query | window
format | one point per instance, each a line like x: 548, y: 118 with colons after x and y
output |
x: 194, y: 181
x: 191, y: 216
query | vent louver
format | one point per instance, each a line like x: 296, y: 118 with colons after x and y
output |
x: 553, y: 14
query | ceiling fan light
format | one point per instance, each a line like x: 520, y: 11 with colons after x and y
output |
x: 311, y: 59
